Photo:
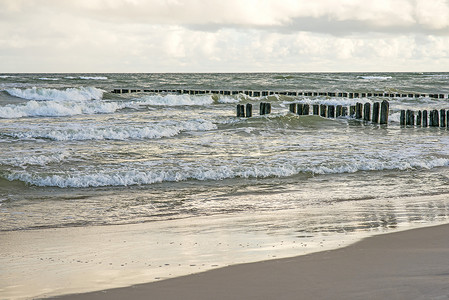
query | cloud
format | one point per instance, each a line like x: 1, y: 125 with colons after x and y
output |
x: 216, y: 36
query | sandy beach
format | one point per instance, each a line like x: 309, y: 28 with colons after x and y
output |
x: 403, y: 265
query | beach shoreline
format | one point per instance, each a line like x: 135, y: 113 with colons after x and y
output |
x: 399, y: 265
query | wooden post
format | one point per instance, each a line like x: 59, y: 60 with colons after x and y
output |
x: 338, y: 111
x: 316, y: 109
x: 447, y: 118
x: 262, y: 108
x: 425, y: 122
x: 402, y: 118
x: 299, y: 109
x: 344, y: 111
x: 367, y: 111
x: 419, y: 118
x: 249, y: 110
x: 331, y: 111
x: 384, y: 109
x: 410, y: 118
x: 376, y: 111
x: 434, y: 120
x: 323, y: 110
x: 358, y: 110
x: 267, y: 108
x: 293, y: 108
x: 305, y: 109
x: 240, y: 110
x: 443, y: 118
x: 352, y: 111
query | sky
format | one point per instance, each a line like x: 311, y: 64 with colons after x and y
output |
x: 224, y: 36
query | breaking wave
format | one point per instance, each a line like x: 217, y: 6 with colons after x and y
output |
x: 58, y: 108
x: 175, y: 100
x: 124, y: 132
x: 209, y: 171
x: 79, y: 94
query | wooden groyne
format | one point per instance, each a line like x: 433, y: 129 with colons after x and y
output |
x: 264, y: 93
x: 379, y: 113
x: 424, y: 118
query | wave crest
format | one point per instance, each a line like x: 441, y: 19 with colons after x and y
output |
x: 77, y: 94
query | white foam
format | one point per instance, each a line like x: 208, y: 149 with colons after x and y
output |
x: 116, y: 132
x: 47, y: 78
x: 93, y: 77
x: 208, y: 170
x: 79, y: 94
x: 6, y: 76
x: 375, y: 77
x: 175, y: 100
x: 227, y: 99
x: 58, y: 108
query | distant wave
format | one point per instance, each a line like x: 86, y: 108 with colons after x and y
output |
x: 93, y: 77
x: 48, y: 78
x: 175, y: 100
x: 79, y: 94
x: 375, y: 77
x: 6, y: 76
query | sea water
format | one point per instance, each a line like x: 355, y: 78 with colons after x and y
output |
x: 73, y: 154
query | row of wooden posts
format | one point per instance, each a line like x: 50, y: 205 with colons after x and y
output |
x: 424, y: 118
x: 286, y: 93
x: 379, y: 113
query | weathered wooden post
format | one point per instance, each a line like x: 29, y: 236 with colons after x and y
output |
x: 367, y: 111
x: 447, y: 118
x: 358, y: 110
x: 292, y: 108
x: 338, y: 111
x: 443, y: 118
x: 299, y: 109
x: 402, y: 118
x: 410, y: 118
x: 352, y: 111
x: 376, y: 111
x: 262, y: 108
x: 384, y: 109
x: 316, y: 109
x: 425, y: 121
x: 323, y: 110
x: 331, y: 111
x: 419, y: 118
x: 344, y: 111
x: 249, y: 110
x: 267, y: 108
x: 240, y: 110
x: 305, y: 109
x: 434, y: 120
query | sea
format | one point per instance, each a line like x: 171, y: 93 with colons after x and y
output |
x: 75, y: 155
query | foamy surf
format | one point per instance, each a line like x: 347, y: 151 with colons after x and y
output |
x: 149, y: 173
x: 78, y: 132
x: 78, y: 94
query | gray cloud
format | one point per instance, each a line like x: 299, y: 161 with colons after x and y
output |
x: 233, y: 35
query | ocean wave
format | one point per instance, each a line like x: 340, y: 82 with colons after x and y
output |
x: 48, y: 78
x: 153, y: 131
x: 93, y: 77
x: 6, y: 76
x: 36, y: 160
x: 375, y: 77
x: 175, y: 100
x: 78, y: 94
x: 58, y: 108
x: 210, y: 171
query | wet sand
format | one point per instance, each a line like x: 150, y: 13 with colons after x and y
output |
x: 411, y: 264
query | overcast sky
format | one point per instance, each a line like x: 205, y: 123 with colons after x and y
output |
x: 223, y: 35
